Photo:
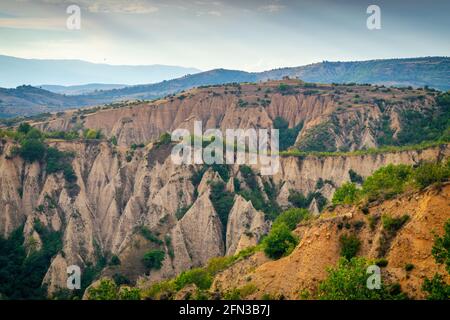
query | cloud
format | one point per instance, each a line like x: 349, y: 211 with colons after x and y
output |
x: 119, y: 6
x: 274, y: 7
x: 211, y: 13
x: 33, y: 23
x: 106, y: 6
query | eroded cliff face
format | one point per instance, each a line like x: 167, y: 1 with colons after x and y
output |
x: 319, y: 248
x: 117, y: 194
x: 348, y: 116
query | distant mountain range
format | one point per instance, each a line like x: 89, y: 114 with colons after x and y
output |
x: 417, y: 72
x: 17, y: 71
x: 81, y: 89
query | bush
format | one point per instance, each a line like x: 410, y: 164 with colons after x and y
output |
x: 222, y: 201
x: 381, y: 262
x: 391, y: 224
x: 115, y: 261
x: 291, y: 217
x: 105, y: 290
x: 437, y: 288
x: 441, y: 248
x: 200, y: 277
x: 429, y: 173
x: 409, y: 267
x: 279, y: 242
x: 354, y: 177
x: 147, y: 234
x: 287, y: 136
x: 346, y: 194
x: 297, y: 199
x: 153, y: 259
x: 32, y: 150
x: 165, y: 139
x: 387, y: 181
x: 348, y: 281
x: 91, y: 134
x: 24, y: 127
x: 350, y: 245
x: 127, y: 293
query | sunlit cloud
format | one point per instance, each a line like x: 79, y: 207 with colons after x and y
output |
x: 33, y: 23
x: 273, y: 7
x: 106, y: 6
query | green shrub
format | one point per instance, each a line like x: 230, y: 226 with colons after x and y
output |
x: 441, y: 247
x: 147, y: 234
x: 105, y: 290
x: 409, y: 267
x: 287, y: 136
x: 348, y: 281
x: 437, y: 288
x: 120, y: 279
x: 115, y: 261
x: 24, y: 127
x: 198, y: 276
x: 32, y: 150
x: 92, y: 134
x: 291, y: 217
x: 127, y: 293
x: 346, y: 194
x: 279, y: 242
x: 165, y: 139
x: 354, y: 177
x: 387, y: 181
x: 429, y: 173
x: 392, y: 224
x: 222, y: 201
x: 350, y: 245
x: 297, y: 199
x: 153, y: 259
x: 381, y: 262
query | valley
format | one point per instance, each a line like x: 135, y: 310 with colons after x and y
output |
x: 96, y: 188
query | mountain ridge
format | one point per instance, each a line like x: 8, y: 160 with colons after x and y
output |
x: 433, y: 72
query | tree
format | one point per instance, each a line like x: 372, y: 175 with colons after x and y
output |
x: 346, y: 194
x: 437, y: 288
x: 32, y: 150
x: 127, y: 293
x: 349, y: 246
x: 291, y: 217
x: 153, y: 259
x: 387, y: 181
x: 429, y: 173
x: 105, y: 290
x: 24, y: 127
x: 279, y: 242
x: 348, y: 281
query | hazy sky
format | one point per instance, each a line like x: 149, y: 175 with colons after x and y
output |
x: 248, y: 35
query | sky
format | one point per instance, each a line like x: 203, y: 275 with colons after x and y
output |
x: 253, y: 35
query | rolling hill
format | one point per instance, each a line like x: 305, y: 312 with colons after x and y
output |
x: 433, y: 72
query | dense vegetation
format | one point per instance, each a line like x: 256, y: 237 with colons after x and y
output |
x: 200, y: 277
x: 23, y: 267
x: 437, y: 288
x: 281, y: 241
x: 348, y: 281
x: 391, y: 180
x: 153, y: 259
x: 107, y: 289
x: 287, y: 135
